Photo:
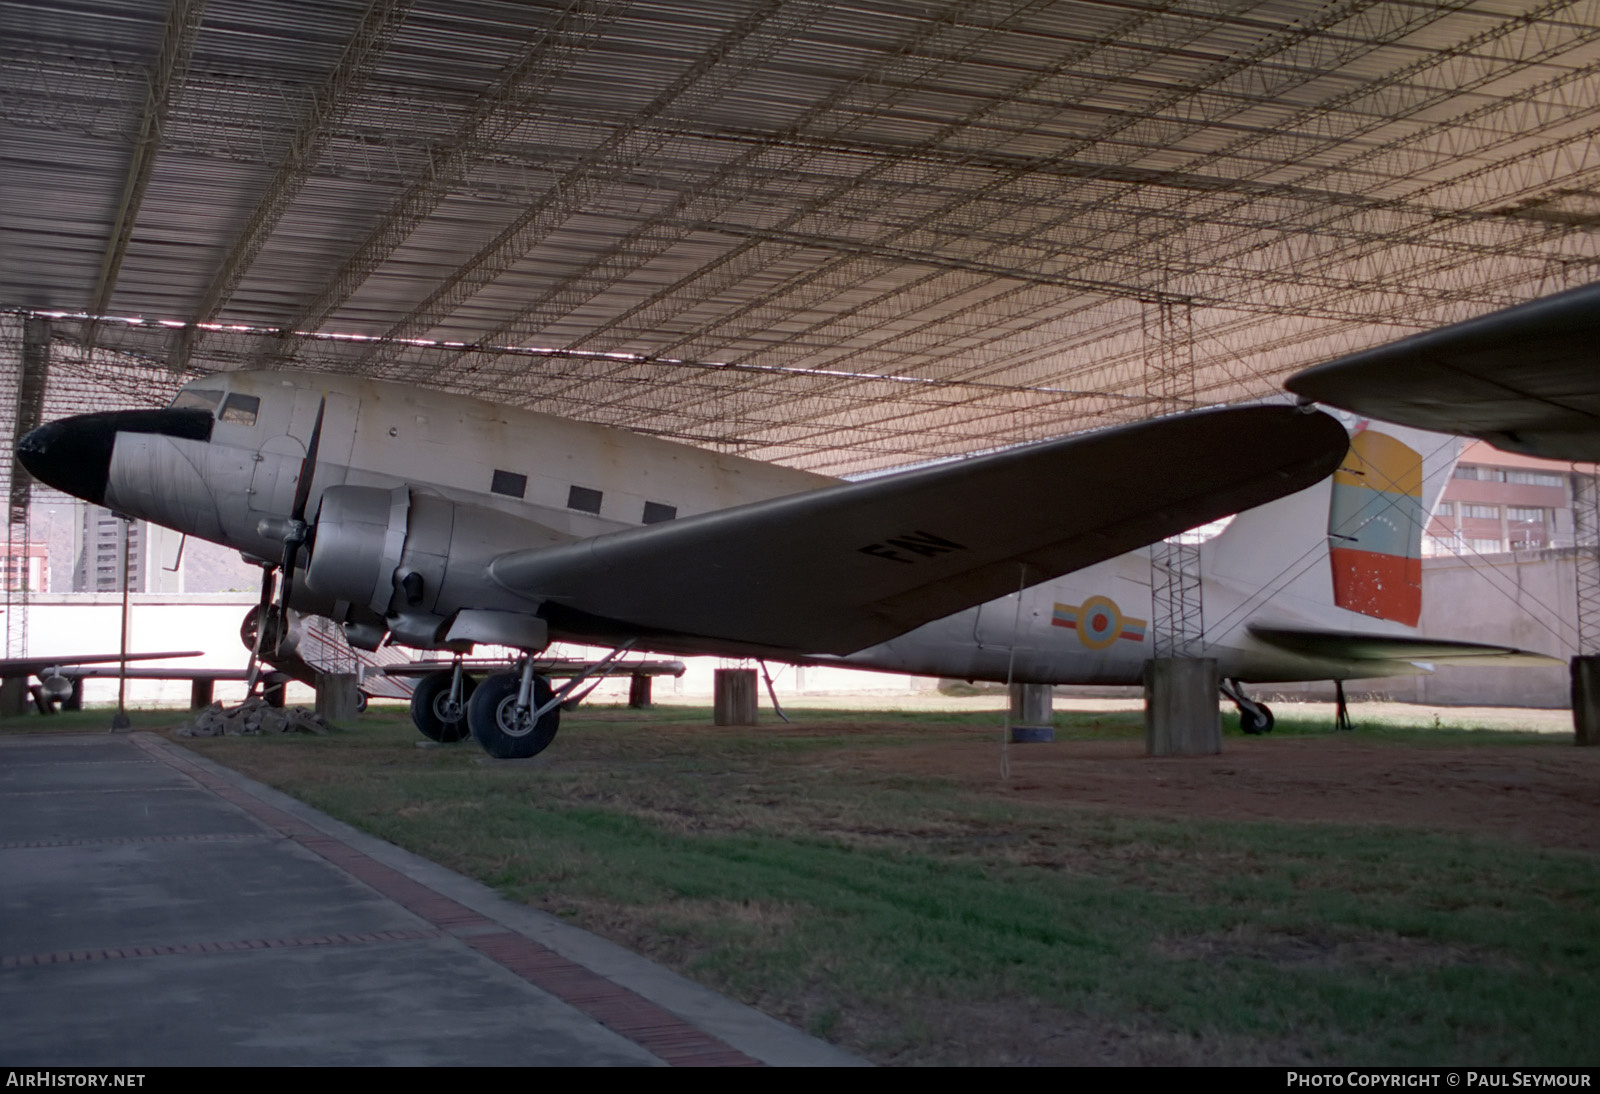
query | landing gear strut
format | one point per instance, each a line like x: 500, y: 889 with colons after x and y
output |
x: 439, y: 704
x: 1254, y: 718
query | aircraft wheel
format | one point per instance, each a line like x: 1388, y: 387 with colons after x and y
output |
x: 272, y: 644
x: 1257, y: 720
x: 434, y: 714
x: 492, y: 714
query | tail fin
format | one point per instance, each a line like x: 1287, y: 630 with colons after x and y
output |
x: 1368, y: 519
x: 1375, y: 520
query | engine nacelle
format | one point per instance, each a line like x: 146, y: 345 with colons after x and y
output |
x: 403, y: 553
x: 361, y: 531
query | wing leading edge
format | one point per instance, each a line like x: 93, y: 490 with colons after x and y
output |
x: 16, y: 666
x: 844, y: 567
x: 1526, y: 379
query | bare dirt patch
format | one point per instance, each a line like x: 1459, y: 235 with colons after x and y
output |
x: 1546, y: 794
x: 1294, y: 950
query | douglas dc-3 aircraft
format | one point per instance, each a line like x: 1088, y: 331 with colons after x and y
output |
x: 441, y: 522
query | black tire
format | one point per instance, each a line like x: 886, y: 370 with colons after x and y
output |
x: 271, y: 645
x: 492, y: 715
x: 430, y: 707
x: 1257, y: 721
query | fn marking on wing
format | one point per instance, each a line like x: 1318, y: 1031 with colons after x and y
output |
x: 919, y: 542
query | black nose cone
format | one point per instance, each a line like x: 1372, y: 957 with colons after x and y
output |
x: 72, y: 455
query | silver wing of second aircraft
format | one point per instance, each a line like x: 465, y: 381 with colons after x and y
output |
x: 1526, y: 379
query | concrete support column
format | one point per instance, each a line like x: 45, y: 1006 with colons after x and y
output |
x: 13, y: 696
x: 1031, y: 714
x: 201, y: 693
x: 1180, y: 707
x: 639, y: 692
x: 735, y: 697
x: 336, y: 696
x: 1586, y: 699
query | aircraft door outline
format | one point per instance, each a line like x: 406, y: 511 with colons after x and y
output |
x: 281, y: 455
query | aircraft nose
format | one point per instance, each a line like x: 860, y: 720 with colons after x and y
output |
x: 73, y: 455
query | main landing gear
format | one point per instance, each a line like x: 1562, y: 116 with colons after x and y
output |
x: 439, y: 704
x: 1254, y: 718
x: 513, y: 715
x: 508, y: 722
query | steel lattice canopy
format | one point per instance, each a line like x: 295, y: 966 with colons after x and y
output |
x: 842, y: 237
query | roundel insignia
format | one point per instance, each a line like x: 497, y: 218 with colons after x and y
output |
x: 1099, y: 622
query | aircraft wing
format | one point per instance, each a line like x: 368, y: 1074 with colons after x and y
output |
x: 844, y: 567
x: 1526, y: 379
x: 1345, y: 646
x: 18, y: 666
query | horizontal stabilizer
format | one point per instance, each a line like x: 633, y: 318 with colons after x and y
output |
x: 843, y: 567
x: 1346, y: 646
x: 1526, y: 379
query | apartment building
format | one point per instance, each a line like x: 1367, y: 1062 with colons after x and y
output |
x: 1498, y: 501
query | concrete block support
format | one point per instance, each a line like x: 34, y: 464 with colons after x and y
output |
x: 1586, y: 699
x: 735, y: 697
x: 336, y: 696
x: 201, y: 693
x: 1180, y: 707
x: 639, y: 692
x: 1031, y: 713
x: 13, y: 696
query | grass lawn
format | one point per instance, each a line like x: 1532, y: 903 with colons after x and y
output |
x: 915, y: 919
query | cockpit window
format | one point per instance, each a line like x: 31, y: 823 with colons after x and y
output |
x: 197, y: 398
x: 241, y: 409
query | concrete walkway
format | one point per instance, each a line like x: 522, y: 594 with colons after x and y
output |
x: 157, y: 909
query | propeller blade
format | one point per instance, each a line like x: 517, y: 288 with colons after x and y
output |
x: 308, y: 467
x: 291, y: 547
x: 267, y: 585
x: 298, y: 536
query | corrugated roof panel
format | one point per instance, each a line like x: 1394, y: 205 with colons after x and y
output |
x: 992, y: 190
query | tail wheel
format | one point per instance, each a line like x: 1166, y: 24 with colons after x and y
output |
x: 496, y: 724
x: 1255, y: 719
x: 434, y: 714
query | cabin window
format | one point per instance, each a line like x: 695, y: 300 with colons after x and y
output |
x: 241, y: 409
x: 655, y: 512
x: 583, y: 499
x: 509, y: 483
x: 195, y: 398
